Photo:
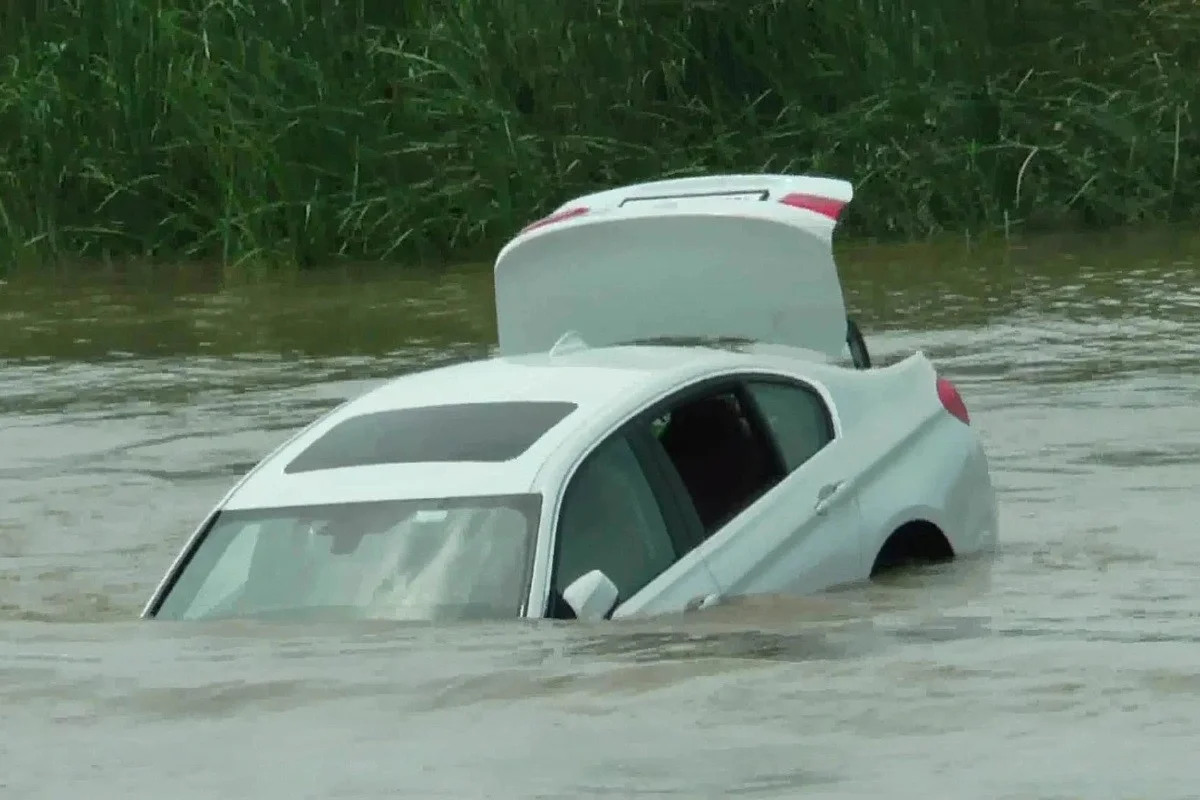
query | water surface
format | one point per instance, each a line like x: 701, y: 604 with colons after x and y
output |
x: 1069, y: 667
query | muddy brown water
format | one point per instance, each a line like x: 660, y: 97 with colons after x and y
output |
x: 1067, y: 667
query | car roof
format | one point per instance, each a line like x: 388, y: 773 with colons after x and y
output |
x: 600, y: 381
x: 584, y: 376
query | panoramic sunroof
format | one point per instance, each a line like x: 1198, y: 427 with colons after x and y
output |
x: 487, y: 432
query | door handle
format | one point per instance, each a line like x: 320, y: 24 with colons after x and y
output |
x: 826, y: 494
x: 701, y: 602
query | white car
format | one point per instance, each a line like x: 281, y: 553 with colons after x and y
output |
x: 670, y: 420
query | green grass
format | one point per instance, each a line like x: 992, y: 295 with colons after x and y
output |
x: 298, y: 132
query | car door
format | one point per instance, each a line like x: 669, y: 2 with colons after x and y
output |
x: 800, y: 530
x: 617, y: 515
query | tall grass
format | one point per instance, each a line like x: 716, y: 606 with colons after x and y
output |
x: 298, y: 131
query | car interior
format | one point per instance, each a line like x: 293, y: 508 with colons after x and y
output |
x: 614, y: 520
x: 724, y: 462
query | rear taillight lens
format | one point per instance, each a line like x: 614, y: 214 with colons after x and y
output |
x: 952, y: 401
x: 825, y: 206
x: 559, y: 216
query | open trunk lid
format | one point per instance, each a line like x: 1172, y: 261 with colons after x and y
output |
x: 739, y: 257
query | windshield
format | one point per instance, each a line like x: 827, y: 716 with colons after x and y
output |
x: 411, y: 559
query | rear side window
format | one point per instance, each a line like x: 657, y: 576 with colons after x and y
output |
x: 797, y: 418
x: 480, y: 432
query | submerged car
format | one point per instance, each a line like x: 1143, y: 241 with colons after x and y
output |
x: 678, y: 412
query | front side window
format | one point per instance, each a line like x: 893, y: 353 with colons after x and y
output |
x: 409, y: 559
x: 611, y: 520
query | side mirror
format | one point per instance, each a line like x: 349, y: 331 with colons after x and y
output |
x: 592, y: 596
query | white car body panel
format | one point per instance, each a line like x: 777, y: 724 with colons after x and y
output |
x: 897, y: 455
x: 685, y: 264
x: 737, y: 187
x: 893, y: 470
x: 882, y: 471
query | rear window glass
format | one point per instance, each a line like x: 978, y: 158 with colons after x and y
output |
x: 465, y: 432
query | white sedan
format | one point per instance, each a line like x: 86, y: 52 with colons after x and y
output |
x: 670, y: 420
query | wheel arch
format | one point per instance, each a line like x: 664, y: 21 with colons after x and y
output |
x: 916, y: 541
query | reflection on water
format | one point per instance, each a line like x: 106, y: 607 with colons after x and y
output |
x: 1066, y: 667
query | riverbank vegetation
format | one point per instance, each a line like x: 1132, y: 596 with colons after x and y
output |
x: 298, y: 131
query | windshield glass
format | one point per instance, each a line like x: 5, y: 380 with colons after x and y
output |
x: 411, y: 559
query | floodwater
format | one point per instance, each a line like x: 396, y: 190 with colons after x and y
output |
x: 1067, y: 667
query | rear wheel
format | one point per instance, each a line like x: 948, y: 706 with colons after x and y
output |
x: 858, y: 345
x: 916, y: 543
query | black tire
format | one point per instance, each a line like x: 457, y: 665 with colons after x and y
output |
x: 859, y: 353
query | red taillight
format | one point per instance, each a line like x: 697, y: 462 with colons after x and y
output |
x: 560, y: 216
x: 952, y: 401
x: 825, y: 206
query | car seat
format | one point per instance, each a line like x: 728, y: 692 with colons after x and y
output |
x: 717, y: 457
